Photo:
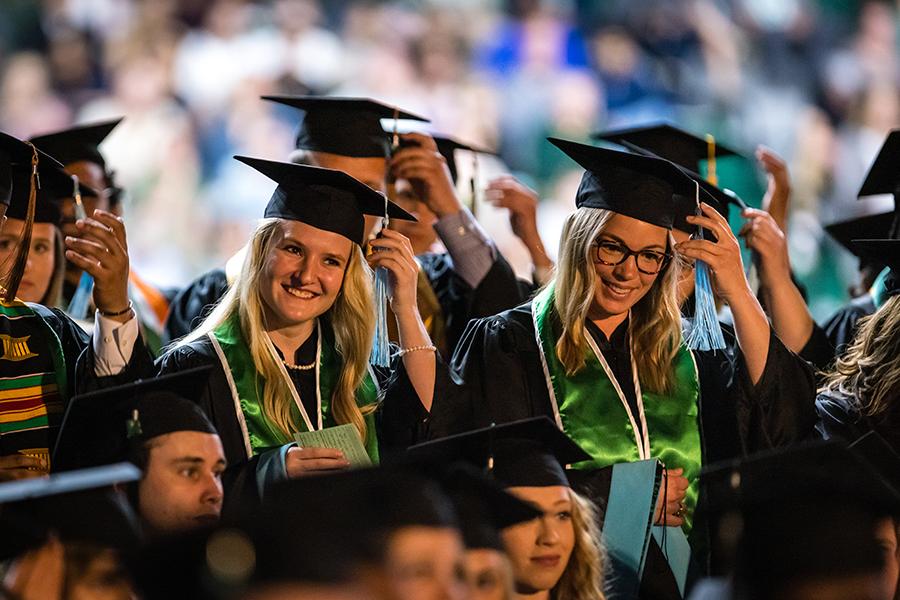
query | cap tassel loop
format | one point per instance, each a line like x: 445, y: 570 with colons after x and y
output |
x: 381, y: 345
x: 81, y: 299
x: 706, y: 333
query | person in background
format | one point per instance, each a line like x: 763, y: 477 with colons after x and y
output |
x: 78, y: 148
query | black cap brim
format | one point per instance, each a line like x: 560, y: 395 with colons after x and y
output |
x: 80, y: 143
x: 884, y: 174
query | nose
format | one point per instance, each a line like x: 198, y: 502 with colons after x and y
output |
x: 306, y: 271
x: 212, y: 490
x: 547, y: 534
x: 627, y: 269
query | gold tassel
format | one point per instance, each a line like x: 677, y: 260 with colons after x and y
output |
x: 711, y: 160
x: 14, y: 278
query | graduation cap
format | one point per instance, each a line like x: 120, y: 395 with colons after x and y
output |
x: 484, y: 508
x: 324, y: 198
x: 799, y: 513
x: 529, y: 453
x: 641, y: 187
x: 868, y: 227
x: 664, y: 139
x: 448, y: 146
x: 55, y: 186
x: 885, y: 252
x: 78, y: 506
x: 884, y: 177
x: 109, y: 425
x: 686, y: 150
x: 344, y: 126
x: 15, y: 156
x: 76, y: 144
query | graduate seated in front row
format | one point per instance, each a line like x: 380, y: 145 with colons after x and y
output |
x: 601, y: 350
x: 860, y: 392
x: 558, y: 553
x: 291, y: 340
x: 156, y: 425
x: 68, y: 536
x: 45, y: 351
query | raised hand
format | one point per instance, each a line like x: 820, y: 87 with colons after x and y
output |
x: 422, y: 165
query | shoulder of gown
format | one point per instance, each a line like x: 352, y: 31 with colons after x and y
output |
x: 838, y: 416
x: 841, y: 326
x: 193, y: 303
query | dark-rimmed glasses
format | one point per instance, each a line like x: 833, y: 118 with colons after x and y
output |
x: 648, y: 262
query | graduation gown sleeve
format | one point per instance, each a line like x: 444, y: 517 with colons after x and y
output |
x: 499, y: 290
x: 818, y: 351
x: 193, y: 303
x: 401, y: 420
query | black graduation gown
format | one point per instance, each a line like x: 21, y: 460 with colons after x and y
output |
x: 400, y: 420
x: 496, y: 376
x: 840, y: 418
x: 193, y: 303
x: 818, y: 350
x: 841, y: 326
x: 497, y: 291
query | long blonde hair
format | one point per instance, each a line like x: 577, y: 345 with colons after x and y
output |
x: 655, y: 319
x: 350, y: 318
x: 584, y: 573
x: 869, y: 371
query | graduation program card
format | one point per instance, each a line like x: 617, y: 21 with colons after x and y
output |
x: 343, y: 437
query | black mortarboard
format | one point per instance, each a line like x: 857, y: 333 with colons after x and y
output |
x: 529, y: 453
x: 884, y: 174
x: 15, y: 156
x: 78, y: 506
x: 448, y: 146
x: 77, y: 143
x: 805, y: 512
x: 344, y: 126
x: 55, y: 186
x: 109, y: 425
x: 667, y: 141
x: 868, y: 227
x: 324, y: 198
x: 886, y: 252
x: 641, y: 187
x: 483, y: 507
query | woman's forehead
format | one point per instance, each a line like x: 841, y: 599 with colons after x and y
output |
x: 315, y: 238
x: 635, y: 233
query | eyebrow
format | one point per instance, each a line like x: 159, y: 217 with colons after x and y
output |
x: 193, y: 460
x: 621, y: 241
x: 296, y: 242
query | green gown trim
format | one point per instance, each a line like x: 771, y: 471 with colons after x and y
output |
x: 591, y: 409
x: 248, y: 384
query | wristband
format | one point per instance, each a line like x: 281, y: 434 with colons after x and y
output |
x: 119, y: 313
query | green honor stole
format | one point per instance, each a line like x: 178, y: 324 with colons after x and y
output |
x: 246, y: 385
x: 591, y: 408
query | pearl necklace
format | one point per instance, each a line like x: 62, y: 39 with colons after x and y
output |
x: 308, y: 367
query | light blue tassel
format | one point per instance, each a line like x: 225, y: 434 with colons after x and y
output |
x: 381, y: 347
x: 706, y: 333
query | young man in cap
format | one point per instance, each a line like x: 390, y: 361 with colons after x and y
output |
x: 156, y: 425
x: 42, y: 348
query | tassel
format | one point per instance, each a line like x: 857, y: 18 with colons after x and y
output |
x: 14, y: 277
x: 81, y: 299
x: 706, y: 333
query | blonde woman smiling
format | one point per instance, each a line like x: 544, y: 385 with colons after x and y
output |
x: 292, y: 337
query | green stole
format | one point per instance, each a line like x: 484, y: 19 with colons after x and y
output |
x: 591, y: 409
x: 246, y: 388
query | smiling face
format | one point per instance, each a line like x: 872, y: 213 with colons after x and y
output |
x: 540, y: 549
x: 619, y: 287
x: 182, y: 484
x: 41, y: 257
x: 303, y: 274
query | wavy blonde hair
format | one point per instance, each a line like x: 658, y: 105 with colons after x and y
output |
x: 585, y: 571
x: 655, y: 319
x: 869, y: 370
x: 350, y: 318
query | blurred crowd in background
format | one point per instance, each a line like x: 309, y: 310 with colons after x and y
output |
x: 817, y: 81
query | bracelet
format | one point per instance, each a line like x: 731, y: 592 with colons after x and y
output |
x: 428, y: 348
x: 119, y: 313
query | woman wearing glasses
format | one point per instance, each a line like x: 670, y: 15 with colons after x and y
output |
x: 601, y: 351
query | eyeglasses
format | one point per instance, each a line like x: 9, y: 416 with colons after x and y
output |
x: 649, y: 262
